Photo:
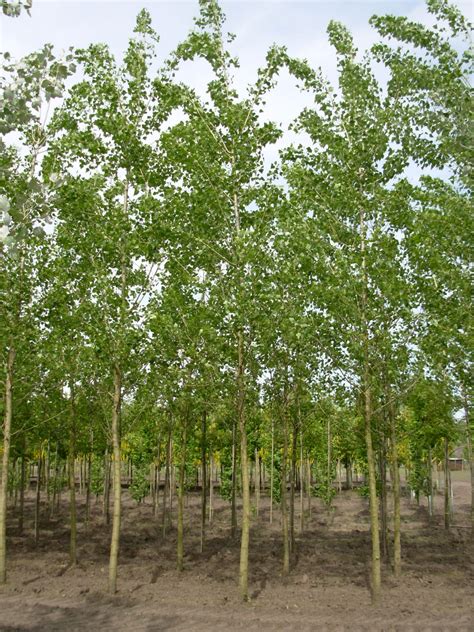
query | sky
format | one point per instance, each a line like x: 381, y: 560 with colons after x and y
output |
x: 299, y: 25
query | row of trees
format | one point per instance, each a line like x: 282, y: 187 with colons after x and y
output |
x: 168, y: 294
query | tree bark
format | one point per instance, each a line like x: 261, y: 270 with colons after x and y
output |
x: 292, y: 490
x: 430, y: 483
x: 383, y: 501
x: 211, y: 486
x: 447, y: 486
x: 470, y: 455
x: 7, y: 425
x: 284, y: 508
x: 301, y: 481
x: 233, y: 518
x: 182, y: 474
x: 272, y: 459
x: 117, y: 489
x: 22, y: 492
x: 245, y: 536
x: 395, y: 475
x: 38, y: 500
x: 72, y: 483
x: 257, y: 482
x: 167, y: 480
x: 204, y: 477
x: 367, y: 398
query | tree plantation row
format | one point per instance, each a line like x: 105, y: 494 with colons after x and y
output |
x: 180, y: 312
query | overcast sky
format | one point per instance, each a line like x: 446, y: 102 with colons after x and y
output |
x: 300, y: 25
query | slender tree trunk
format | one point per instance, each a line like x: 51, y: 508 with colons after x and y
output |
x: 301, y: 482
x: 22, y: 492
x: 257, y: 482
x: 374, y: 518
x: 308, y: 486
x: 447, y: 486
x: 245, y: 536
x: 329, y: 459
x: 88, y: 489
x: 430, y: 483
x: 204, y: 477
x: 182, y: 473
x: 7, y: 424
x: 107, y: 477
x: 292, y: 490
x: 156, y: 477
x: 72, y: 484
x: 470, y: 456
x: 38, y: 500
x: 234, y: 480
x: 115, y: 540
x: 167, y: 479
x: 81, y: 475
x: 211, y: 486
x: 47, y: 477
x: 272, y: 471
x: 55, y: 483
x: 367, y: 395
x: 284, y: 508
x: 172, y: 484
x: 395, y: 476
x: 383, y: 501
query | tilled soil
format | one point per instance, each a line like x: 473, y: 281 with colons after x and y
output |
x: 326, y: 590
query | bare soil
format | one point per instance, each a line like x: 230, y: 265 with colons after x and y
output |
x: 327, y: 589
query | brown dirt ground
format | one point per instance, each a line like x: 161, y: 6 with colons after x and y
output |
x: 327, y: 589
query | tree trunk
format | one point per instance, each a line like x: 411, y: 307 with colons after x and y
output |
x: 22, y: 492
x: 447, y: 486
x: 301, y: 482
x: 397, y: 548
x: 374, y: 518
x: 272, y: 458
x: 182, y: 473
x: 172, y: 483
x: 204, y: 477
x: 55, y: 483
x: 430, y: 483
x: 367, y: 397
x: 470, y: 456
x: 117, y: 489
x: 38, y: 500
x: 308, y: 486
x: 47, y: 478
x: 292, y: 490
x: 72, y: 483
x: 167, y: 481
x: 7, y: 425
x: 211, y: 486
x: 234, y: 480
x: 284, y: 508
x: 329, y: 460
x: 257, y: 482
x: 245, y: 536
x: 88, y: 490
x: 383, y: 501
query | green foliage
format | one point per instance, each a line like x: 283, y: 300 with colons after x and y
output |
x: 140, y: 486
x: 225, y: 489
x: 97, y: 475
x: 324, y: 487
